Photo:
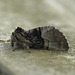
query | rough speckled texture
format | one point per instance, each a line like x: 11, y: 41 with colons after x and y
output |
x: 30, y: 14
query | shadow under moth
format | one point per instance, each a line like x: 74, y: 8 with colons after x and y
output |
x: 46, y: 37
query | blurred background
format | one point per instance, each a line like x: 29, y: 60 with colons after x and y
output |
x: 29, y: 14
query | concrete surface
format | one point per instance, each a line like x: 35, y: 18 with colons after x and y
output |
x: 29, y: 14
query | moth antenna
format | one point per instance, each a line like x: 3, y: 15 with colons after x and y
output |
x: 4, y: 40
x: 14, y: 49
x: 28, y: 49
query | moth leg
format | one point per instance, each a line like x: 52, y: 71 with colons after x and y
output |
x: 15, y: 46
x: 28, y: 49
x: 47, y: 45
x: 14, y: 49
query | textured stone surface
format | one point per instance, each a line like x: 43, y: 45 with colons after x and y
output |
x: 29, y: 14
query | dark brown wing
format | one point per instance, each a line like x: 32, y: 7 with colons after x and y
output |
x: 61, y: 39
x: 54, y: 39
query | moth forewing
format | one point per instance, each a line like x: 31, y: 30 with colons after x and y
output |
x: 54, y: 39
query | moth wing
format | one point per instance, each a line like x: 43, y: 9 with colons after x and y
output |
x: 22, y: 39
x: 54, y: 38
x: 61, y: 39
x: 48, y: 33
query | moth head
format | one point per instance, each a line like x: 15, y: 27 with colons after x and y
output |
x: 18, y: 36
x: 19, y: 30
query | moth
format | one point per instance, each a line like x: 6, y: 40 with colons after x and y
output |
x: 46, y: 37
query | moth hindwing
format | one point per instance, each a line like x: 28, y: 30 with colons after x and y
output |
x: 46, y: 37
